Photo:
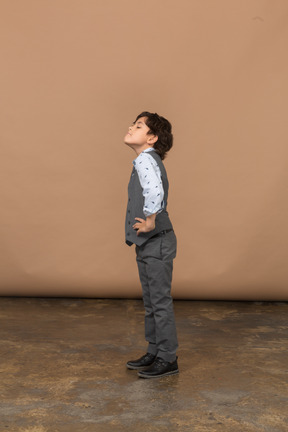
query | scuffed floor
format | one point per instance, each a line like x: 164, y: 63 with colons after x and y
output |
x: 62, y: 368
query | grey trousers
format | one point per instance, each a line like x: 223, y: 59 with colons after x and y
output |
x: 155, y: 266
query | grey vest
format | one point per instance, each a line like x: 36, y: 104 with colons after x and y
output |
x: 136, y: 204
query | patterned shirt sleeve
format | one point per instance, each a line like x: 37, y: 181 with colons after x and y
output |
x: 150, y: 179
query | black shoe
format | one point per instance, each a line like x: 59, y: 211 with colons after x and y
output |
x: 144, y: 361
x: 160, y: 368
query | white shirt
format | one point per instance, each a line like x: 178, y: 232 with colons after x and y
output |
x: 150, y: 179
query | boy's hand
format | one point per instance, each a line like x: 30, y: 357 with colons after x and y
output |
x: 145, y: 225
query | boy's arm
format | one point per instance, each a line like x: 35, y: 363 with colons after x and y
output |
x: 150, y: 180
x: 153, y: 193
x: 145, y: 225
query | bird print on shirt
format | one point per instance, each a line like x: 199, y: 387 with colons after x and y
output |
x: 150, y: 179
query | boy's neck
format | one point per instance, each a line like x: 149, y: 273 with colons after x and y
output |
x: 139, y: 150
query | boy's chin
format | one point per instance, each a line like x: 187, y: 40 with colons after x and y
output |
x: 127, y: 139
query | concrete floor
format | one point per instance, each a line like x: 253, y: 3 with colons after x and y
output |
x: 62, y: 368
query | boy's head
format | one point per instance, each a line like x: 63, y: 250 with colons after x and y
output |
x: 161, y: 128
x: 150, y: 130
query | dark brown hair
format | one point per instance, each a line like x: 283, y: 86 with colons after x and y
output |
x: 160, y: 127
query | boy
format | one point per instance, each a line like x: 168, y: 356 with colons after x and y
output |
x: 148, y: 226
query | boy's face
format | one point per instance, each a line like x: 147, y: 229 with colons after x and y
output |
x: 137, y: 136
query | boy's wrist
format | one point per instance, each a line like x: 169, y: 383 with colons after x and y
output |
x: 150, y: 221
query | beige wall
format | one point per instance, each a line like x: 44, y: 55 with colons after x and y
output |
x: 74, y: 74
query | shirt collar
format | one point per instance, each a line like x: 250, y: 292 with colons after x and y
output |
x: 144, y: 151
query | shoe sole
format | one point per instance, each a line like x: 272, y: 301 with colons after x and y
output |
x: 159, y: 376
x: 137, y: 367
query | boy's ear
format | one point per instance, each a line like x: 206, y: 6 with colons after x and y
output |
x: 152, y: 139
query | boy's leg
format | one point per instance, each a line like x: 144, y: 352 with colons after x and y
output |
x: 157, y: 255
x: 150, y: 333
x: 161, y: 299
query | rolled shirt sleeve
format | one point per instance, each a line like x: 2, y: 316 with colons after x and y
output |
x: 150, y: 179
